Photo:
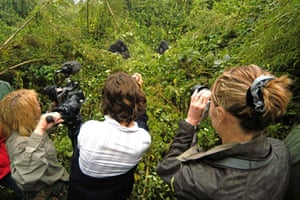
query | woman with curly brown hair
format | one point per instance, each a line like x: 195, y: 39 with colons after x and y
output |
x: 244, y: 101
x: 108, y: 151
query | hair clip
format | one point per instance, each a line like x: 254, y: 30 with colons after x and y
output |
x: 254, y: 93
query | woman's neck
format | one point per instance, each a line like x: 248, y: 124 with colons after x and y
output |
x: 231, y: 131
x: 126, y: 124
x: 237, y: 137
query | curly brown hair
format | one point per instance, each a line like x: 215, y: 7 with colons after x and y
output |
x: 123, y: 98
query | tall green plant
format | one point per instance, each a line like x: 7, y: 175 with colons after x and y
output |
x: 204, y: 38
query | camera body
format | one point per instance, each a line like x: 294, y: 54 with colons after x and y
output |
x: 198, y: 88
x: 68, y: 98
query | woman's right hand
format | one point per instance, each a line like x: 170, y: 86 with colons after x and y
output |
x: 44, y: 123
x: 199, y: 101
x: 138, y: 78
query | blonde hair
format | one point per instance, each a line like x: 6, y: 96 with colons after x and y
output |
x: 230, y: 91
x: 20, y: 112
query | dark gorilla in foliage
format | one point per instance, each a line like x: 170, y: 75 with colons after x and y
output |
x: 121, y: 48
x: 163, y: 46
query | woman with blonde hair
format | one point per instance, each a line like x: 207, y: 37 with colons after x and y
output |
x: 33, y: 161
x: 244, y: 101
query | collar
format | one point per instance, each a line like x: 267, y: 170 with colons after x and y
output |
x: 256, y: 148
x: 116, y: 124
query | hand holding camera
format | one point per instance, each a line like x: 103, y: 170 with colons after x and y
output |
x: 47, y: 121
x: 199, y: 105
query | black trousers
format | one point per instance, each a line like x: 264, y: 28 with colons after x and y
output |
x: 8, y: 182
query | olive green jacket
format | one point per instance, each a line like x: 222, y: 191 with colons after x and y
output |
x: 33, y: 161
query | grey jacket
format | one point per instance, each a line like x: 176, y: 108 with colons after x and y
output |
x: 33, y: 161
x: 196, y: 174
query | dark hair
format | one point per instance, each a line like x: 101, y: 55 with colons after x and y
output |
x: 230, y: 91
x: 123, y: 99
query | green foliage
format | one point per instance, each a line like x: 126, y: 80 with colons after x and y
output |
x: 63, y: 146
x: 160, y: 20
x: 204, y: 36
x: 275, y: 40
x: 11, y: 10
x: 207, y: 137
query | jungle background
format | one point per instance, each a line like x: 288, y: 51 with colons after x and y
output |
x: 204, y: 37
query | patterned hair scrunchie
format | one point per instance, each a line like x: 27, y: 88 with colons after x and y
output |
x: 254, y: 93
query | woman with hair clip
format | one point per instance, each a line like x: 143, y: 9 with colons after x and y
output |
x: 108, y: 151
x: 33, y: 161
x: 244, y: 101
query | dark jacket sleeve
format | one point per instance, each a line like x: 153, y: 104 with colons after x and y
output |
x: 73, y: 130
x: 169, y: 166
x: 142, y: 121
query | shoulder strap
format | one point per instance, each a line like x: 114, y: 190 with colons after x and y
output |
x: 240, y: 163
x: 195, y: 153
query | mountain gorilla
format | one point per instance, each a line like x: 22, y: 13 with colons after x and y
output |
x: 163, y: 46
x: 121, y: 48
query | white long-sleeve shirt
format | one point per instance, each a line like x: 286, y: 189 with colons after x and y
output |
x: 108, y: 149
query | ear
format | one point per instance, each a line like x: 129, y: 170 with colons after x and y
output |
x: 221, y: 114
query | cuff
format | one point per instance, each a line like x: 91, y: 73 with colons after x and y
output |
x: 187, y: 126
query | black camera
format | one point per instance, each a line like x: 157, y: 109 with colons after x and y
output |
x: 198, y: 88
x: 69, y: 97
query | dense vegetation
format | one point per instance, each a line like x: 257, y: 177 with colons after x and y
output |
x: 205, y: 36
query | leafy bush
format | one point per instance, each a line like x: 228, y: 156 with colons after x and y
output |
x: 205, y: 37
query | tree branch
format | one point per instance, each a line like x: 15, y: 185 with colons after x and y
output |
x: 20, y: 64
x: 21, y: 27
